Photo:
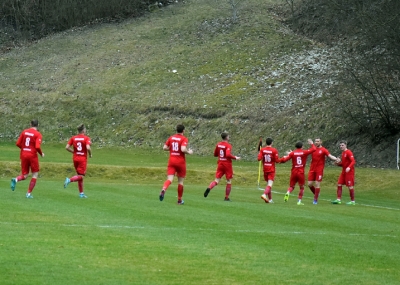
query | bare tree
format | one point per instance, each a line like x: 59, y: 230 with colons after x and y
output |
x: 233, y: 6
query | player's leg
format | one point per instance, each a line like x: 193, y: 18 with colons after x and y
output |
x: 340, y: 183
x: 311, y: 181
x: 301, y: 181
x: 171, y: 170
x: 292, y: 183
x: 229, y: 176
x: 350, y: 185
x: 180, y: 190
x: 267, y: 195
x: 25, y: 166
x: 218, y: 175
x: 34, y: 165
x: 317, y: 188
x: 181, y: 173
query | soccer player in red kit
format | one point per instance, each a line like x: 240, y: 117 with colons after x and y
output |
x: 29, y: 142
x: 317, y: 166
x: 79, y: 146
x: 347, y: 162
x: 224, y: 165
x: 177, y: 147
x: 269, y: 156
x: 299, y: 159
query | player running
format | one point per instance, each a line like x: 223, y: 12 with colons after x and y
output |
x: 177, y: 147
x: 29, y: 142
x: 269, y: 156
x: 223, y: 152
x: 299, y: 159
x: 317, y: 166
x: 347, y: 162
x: 79, y: 145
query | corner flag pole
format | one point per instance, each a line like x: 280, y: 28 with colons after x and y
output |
x: 259, y: 164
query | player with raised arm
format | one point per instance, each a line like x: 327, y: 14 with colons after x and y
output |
x: 317, y: 166
x: 299, y: 160
x: 224, y: 165
x: 347, y: 162
x: 29, y: 142
x: 177, y: 146
x: 268, y: 156
x: 79, y: 146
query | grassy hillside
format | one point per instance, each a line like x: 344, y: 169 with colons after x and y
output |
x: 132, y: 82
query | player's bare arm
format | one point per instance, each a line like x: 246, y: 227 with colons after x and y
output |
x: 69, y: 148
x: 333, y: 158
x: 89, y: 150
x: 185, y: 150
x: 165, y: 147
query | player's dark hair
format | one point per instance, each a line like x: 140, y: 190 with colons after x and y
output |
x: 269, y: 141
x: 344, y: 142
x: 299, y: 145
x: 81, y: 128
x: 180, y: 128
x: 34, y: 123
x: 224, y: 135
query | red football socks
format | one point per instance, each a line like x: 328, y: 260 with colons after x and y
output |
x: 32, y: 185
x: 339, y: 192
x: 166, y: 185
x: 180, y: 192
x: 228, y: 190
x: 212, y: 184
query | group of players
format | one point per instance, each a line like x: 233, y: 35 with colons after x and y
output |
x: 79, y: 145
x: 177, y: 145
x: 30, y: 141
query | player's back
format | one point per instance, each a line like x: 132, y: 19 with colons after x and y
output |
x: 29, y: 141
x: 174, y: 143
x: 223, y: 152
x: 80, y: 142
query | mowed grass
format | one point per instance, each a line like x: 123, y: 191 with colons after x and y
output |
x: 122, y: 234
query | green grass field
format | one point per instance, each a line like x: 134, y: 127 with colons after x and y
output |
x: 122, y: 234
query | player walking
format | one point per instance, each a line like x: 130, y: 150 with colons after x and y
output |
x: 224, y: 165
x: 346, y: 177
x: 317, y: 166
x: 79, y: 145
x: 177, y: 147
x: 269, y: 156
x: 29, y: 142
x: 299, y: 159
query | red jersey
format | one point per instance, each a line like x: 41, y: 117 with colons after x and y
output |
x: 174, y: 144
x: 299, y: 158
x: 80, y: 143
x: 347, y: 160
x: 269, y: 157
x: 223, y: 152
x: 29, y: 142
x: 318, y: 159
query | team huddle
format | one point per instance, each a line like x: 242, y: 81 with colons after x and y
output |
x: 268, y: 155
x: 79, y: 145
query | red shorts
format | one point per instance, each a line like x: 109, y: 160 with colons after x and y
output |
x: 346, y: 178
x: 315, y: 176
x: 297, y: 177
x: 177, y: 168
x: 269, y: 176
x: 29, y: 162
x: 224, y: 169
x: 80, y: 166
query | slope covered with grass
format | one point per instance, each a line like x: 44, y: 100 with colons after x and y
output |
x: 132, y: 82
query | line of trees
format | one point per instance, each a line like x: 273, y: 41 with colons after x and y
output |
x: 32, y: 19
